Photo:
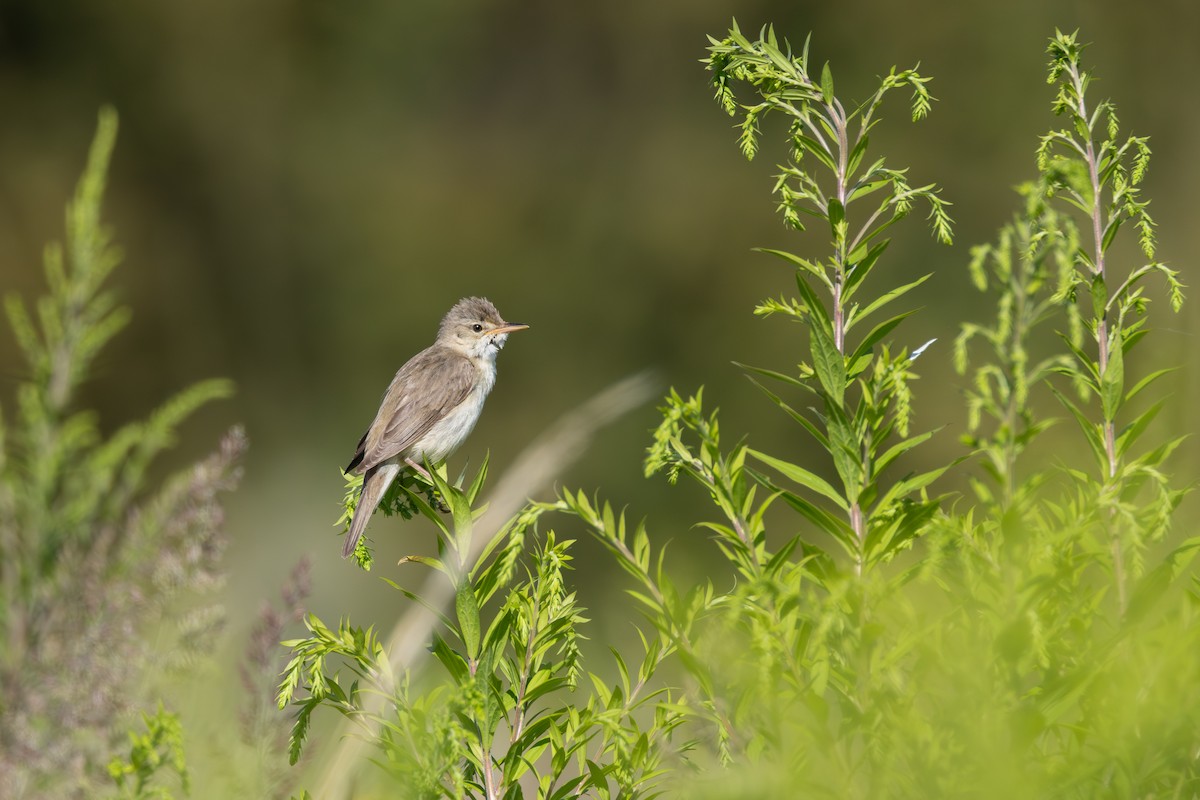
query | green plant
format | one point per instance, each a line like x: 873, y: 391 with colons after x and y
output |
x: 159, y: 749
x: 499, y: 716
x: 92, y: 554
x: 396, y: 501
x: 865, y: 639
x: 1029, y: 261
x: 1099, y: 173
x: 862, y: 386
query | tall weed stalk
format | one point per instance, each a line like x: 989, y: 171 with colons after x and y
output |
x: 97, y: 559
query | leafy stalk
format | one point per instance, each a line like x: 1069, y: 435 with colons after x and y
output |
x: 862, y: 386
x: 1031, y: 257
x: 1093, y: 169
x: 501, y: 703
x: 93, y: 553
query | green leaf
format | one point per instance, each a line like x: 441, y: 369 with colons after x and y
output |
x: 1134, y: 430
x: 856, y: 154
x: 803, y: 477
x: 844, y: 444
x: 828, y: 364
x: 826, y: 83
x: 817, y: 149
x: 436, y: 610
x: 884, y: 541
x: 837, y: 215
x: 1112, y: 382
x: 794, y: 414
x: 839, y: 530
x: 468, y: 617
x: 495, y: 641
x: 862, y: 259
x: 477, y: 484
x: 1146, y: 381
x: 1099, y: 295
x: 802, y: 263
x: 300, y: 729
x: 1092, y: 377
x: 1089, y: 428
x: 878, y: 332
x: 913, y: 483
x: 903, y: 446
x: 856, y: 317
x: 813, y: 303
x: 461, y: 511
x: 772, y: 374
x: 452, y: 661
x: 1110, y: 232
x: 427, y: 511
x: 777, y: 562
x: 870, y: 183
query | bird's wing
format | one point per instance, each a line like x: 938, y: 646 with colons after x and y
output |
x: 413, y: 403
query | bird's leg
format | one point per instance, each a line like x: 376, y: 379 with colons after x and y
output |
x: 437, y: 500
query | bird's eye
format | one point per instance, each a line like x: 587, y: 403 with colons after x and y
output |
x: 477, y: 327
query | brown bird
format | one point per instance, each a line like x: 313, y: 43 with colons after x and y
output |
x: 431, y: 405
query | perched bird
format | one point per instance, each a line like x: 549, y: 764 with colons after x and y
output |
x: 431, y: 405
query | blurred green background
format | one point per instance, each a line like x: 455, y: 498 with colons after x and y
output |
x: 303, y: 188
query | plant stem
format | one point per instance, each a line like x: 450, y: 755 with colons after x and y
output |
x: 488, y: 779
x: 678, y: 633
x: 837, y: 119
x: 1020, y: 318
x: 837, y: 116
x: 1102, y: 333
x: 519, y: 727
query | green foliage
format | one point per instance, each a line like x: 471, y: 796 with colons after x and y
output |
x: 159, y: 749
x: 858, y: 638
x: 821, y: 127
x: 862, y: 387
x: 92, y: 554
x: 500, y: 715
x: 408, y: 495
x: 1027, y: 270
x: 1128, y: 497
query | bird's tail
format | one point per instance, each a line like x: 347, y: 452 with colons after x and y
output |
x: 375, y: 483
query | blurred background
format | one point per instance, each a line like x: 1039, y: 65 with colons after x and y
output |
x: 303, y: 187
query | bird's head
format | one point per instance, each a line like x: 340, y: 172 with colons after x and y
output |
x: 475, y: 328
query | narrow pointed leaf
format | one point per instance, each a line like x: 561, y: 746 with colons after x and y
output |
x: 1146, y: 381
x: 1086, y: 425
x: 773, y: 375
x: 901, y: 447
x: 796, y: 415
x: 884, y: 299
x: 826, y: 83
x: 814, y: 304
x: 837, y: 215
x: 862, y: 260
x: 878, y: 332
x: 828, y: 364
x: 1134, y: 430
x: 467, y: 610
x: 805, y: 478
x: 801, y: 263
x: 1112, y: 382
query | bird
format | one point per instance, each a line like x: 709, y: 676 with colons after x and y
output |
x: 431, y: 405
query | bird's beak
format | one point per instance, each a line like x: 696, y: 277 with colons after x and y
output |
x: 509, y: 327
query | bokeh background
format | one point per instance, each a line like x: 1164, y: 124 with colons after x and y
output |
x: 303, y: 187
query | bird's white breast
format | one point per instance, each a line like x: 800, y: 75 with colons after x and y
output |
x: 452, y: 430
